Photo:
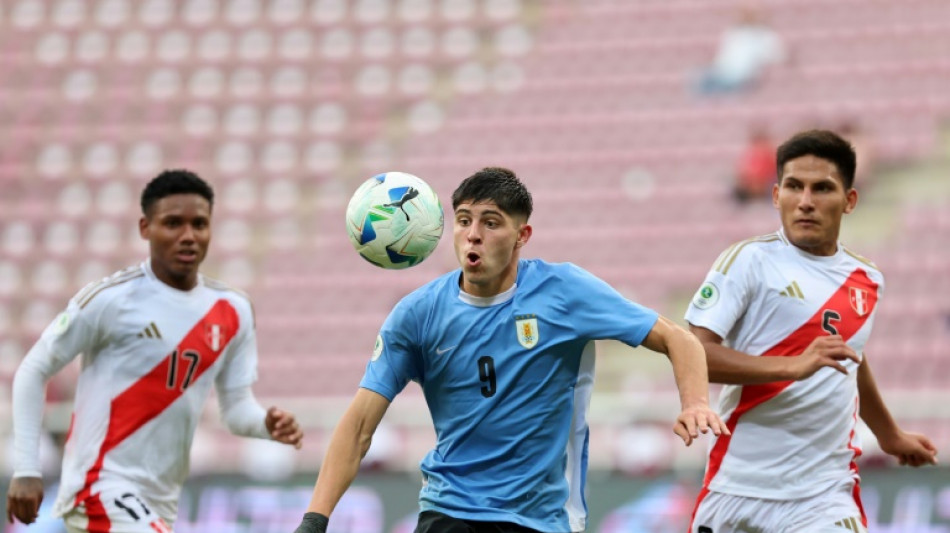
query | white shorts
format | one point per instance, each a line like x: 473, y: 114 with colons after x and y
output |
x: 836, y: 510
x: 119, y: 512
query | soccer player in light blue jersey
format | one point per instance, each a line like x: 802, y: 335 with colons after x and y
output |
x: 503, y: 349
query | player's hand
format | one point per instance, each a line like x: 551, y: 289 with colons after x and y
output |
x: 283, y: 427
x: 911, y: 449
x: 698, y: 419
x: 827, y: 350
x: 24, y: 498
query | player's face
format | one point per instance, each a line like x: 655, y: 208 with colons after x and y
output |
x: 811, y: 200
x: 487, y: 243
x: 178, y: 230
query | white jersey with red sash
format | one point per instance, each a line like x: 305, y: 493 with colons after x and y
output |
x: 150, y: 355
x: 766, y: 297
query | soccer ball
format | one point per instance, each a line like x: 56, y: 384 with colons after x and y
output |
x: 394, y: 220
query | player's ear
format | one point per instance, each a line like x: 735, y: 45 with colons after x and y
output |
x: 523, y: 235
x: 143, y: 228
x: 775, y: 189
x: 852, y: 198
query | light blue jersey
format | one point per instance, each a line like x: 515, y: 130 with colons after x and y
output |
x: 508, y: 382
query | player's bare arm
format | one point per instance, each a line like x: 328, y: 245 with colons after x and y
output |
x: 911, y: 449
x: 730, y: 366
x: 24, y: 498
x: 283, y: 427
x: 689, y: 370
x: 349, y: 443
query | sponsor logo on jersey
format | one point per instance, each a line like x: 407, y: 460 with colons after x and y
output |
x: 378, y: 348
x: 527, y: 328
x: 793, y: 291
x: 706, y: 296
x: 150, y: 331
x: 859, y: 301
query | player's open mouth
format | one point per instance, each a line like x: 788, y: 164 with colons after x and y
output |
x: 188, y: 256
x: 473, y: 259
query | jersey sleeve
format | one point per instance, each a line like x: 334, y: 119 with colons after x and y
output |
x: 396, y: 358
x: 76, y: 330
x: 240, y: 367
x: 598, y: 311
x: 725, y: 293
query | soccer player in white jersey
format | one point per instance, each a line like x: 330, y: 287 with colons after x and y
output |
x: 503, y: 350
x: 154, y: 338
x: 784, y: 319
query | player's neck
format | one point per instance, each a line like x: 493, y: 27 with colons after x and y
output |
x: 181, y: 283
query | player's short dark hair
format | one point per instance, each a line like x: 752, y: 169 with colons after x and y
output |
x: 176, y: 181
x: 825, y: 144
x: 495, y: 184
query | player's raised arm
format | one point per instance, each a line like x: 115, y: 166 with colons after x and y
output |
x: 689, y: 369
x: 730, y: 366
x: 348, y: 445
x: 911, y: 449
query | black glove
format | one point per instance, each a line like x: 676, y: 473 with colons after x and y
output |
x: 313, y: 523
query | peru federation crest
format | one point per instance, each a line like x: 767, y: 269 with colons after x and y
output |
x: 215, y: 336
x: 527, y: 327
x: 860, y: 301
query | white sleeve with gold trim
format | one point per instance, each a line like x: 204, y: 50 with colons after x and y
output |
x: 726, y: 292
x: 76, y: 330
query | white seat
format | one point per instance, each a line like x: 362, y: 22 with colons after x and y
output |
x: 69, y: 13
x: 242, y: 12
x: 279, y: 156
x: 173, y: 46
x: 163, y: 83
x: 54, y: 160
x: 242, y: 120
x: 52, y: 48
x: 200, y: 120
x: 233, y: 157
x: 156, y: 13
x: 112, y: 13
x: 74, y: 199
x: 284, y: 120
x: 144, y: 159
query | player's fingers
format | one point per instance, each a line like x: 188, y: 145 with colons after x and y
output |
x: 682, y: 433
x: 836, y: 365
x: 719, y: 428
x: 702, y: 422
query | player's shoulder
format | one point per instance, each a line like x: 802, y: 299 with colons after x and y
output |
x: 232, y: 294
x: 540, y: 269
x: 745, y: 251
x: 864, y: 261
x: 105, y: 290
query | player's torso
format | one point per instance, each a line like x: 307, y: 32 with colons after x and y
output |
x: 798, y: 435
x: 496, y: 363
x: 140, y: 394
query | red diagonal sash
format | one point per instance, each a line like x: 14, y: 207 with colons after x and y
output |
x: 848, y: 324
x: 150, y: 395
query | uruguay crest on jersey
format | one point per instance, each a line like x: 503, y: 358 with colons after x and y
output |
x: 527, y: 327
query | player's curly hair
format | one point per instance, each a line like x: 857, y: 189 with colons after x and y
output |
x: 176, y: 181
x: 825, y: 144
x: 495, y: 184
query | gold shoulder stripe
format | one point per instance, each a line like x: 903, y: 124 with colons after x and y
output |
x: 108, y: 283
x: 862, y: 259
x: 212, y: 283
x: 724, y: 269
x: 725, y: 255
x: 93, y: 286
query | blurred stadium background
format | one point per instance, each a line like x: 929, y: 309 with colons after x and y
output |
x: 287, y: 105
